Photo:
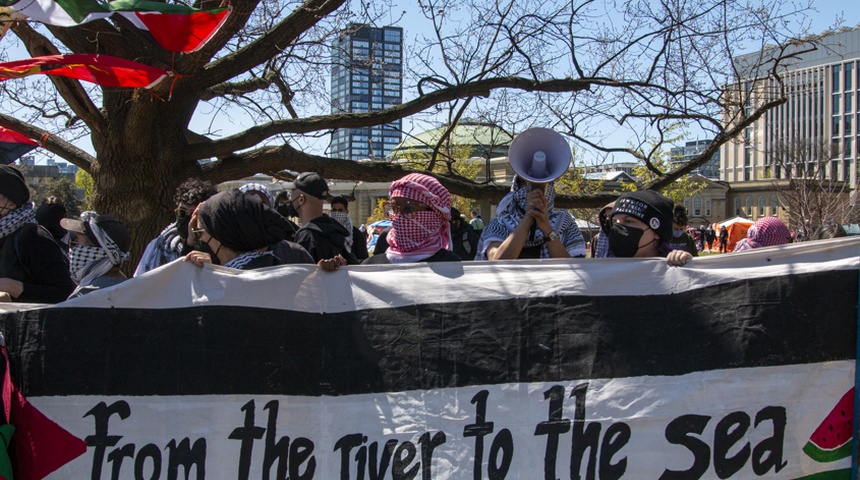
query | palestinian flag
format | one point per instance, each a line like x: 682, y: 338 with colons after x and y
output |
x: 103, y: 70
x: 13, y: 145
x: 40, y: 445
x: 177, y: 28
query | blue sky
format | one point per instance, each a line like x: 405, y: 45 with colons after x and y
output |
x: 412, y: 20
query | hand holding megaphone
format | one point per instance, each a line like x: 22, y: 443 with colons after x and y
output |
x: 539, y: 155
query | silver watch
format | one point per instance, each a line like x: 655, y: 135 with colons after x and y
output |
x: 553, y: 236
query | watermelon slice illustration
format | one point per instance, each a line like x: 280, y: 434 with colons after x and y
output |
x: 831, y: 441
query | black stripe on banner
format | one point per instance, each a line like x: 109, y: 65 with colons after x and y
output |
x: 794, y: 319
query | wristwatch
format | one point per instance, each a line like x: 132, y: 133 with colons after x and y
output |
x: 553, y: 236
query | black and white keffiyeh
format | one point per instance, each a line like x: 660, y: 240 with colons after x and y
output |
x: 343, y: 219
x: 166, y: 248
x: 511, y: 211
x: 86, y: 263
x: 13, y: 220
x: 246, y: 258
x: 258, y: 187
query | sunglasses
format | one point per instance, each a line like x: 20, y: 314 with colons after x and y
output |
x: 181, y: 213
x: 392, y: 208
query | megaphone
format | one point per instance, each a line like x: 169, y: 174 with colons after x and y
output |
x: 539, y: 155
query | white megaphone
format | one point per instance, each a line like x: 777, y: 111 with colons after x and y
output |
x: 539, y: 155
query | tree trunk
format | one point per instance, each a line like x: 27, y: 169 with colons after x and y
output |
x: 140, y: 164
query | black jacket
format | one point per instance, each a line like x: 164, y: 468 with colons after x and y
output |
x: 31, y: 256
x: 465, y: 241
x: 324, y: 238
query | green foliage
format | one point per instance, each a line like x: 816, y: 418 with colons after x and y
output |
x: 62, y: 188
x: 680, y: 189
x: 573, y: 182
x: 85, y: 180
x: 378, y: 212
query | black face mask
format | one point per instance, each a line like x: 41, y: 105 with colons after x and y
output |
x: 204, y: 247
x: 182, y: 228
x: 624, y: 240
x: 287, y: 209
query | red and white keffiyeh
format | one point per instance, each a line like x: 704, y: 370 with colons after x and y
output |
x: 419, y: 235
x: 766, y: 232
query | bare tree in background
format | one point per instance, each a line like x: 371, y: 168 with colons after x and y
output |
x: 809, y: 186
x: 608, y: 74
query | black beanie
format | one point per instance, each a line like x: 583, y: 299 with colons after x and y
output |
x: 12, y: 185
x: 651, y: 207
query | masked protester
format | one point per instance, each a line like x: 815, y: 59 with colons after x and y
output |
x: 600, y: 242
x: 642, y: 227
x: 236, y: 230
x: 172, y: 243
x: 420, y: 213
x: 681, y: 240
x: 99, y: 246
x: 356, y: 242
x: 528, y: 227
x: 766, y: 232
x: 33, y: 268
x: 322, y: 236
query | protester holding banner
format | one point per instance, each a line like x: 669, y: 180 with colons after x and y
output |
x: 420, y: 213
x: 766, y: 232
x: 33, y: 268
x: 642, y: 227
x: 681, y: 240
x: 172, y: 242
x: 528, y: 227
x: 236, y: 230
x: 99, y: 247
x: 322, y: 236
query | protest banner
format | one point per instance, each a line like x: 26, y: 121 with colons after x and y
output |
x: 735, y: 366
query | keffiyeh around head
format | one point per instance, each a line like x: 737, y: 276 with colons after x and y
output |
x: 767, y: 232
x: 511, y: 211
x: 419, y: 235
x: 258, y: 187
x: 343, y: 219
x: 241, y: 222
x: 86, y: 263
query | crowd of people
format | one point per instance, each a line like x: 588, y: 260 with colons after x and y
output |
x: 47, y: 258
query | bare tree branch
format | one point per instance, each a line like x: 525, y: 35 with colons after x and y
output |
x: 256, y: 134
x: 49, y: 142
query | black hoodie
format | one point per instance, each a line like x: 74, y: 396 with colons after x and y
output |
x: 323, y: 237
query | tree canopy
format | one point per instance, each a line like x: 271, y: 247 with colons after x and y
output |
x: 612, y: 76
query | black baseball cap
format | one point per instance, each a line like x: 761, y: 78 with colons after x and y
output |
x: 312, y: 183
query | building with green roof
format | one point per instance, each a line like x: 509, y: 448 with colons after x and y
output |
x: 482, y: 140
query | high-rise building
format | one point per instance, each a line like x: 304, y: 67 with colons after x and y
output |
x: 823, y: 108
x: 711, y: 168
x: 366, y: 76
